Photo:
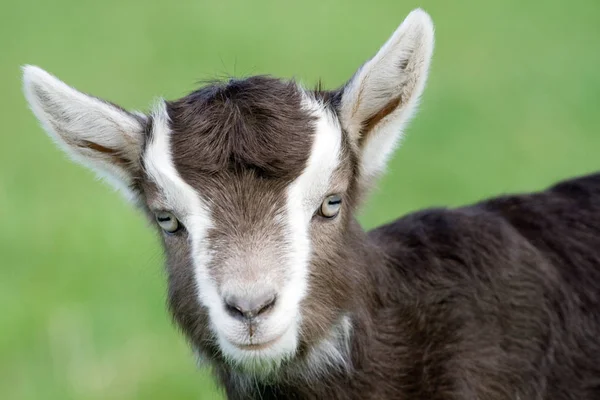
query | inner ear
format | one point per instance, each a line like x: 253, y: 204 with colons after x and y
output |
x: 375, y: 119
x: 116, y: 155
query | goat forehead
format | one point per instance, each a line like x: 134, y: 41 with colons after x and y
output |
x: 243, y: 196
x: 261, y: 123
x: 243, y: 204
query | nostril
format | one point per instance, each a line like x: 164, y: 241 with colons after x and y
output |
x: 268, y: 305
x: 234, y: 310
x: 247, y: 308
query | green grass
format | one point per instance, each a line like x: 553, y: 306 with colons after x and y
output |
x: 511, y: 105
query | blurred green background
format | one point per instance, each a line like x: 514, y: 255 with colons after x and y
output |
x: 511, y: 105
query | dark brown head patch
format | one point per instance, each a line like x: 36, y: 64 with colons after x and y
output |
x: 258, y: 123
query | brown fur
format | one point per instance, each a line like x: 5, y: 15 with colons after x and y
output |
x: 235, y: 127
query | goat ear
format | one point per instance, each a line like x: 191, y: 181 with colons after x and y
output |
x: 383, y: 94
x: 97, y: 134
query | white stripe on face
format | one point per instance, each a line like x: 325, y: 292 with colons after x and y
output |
x: 306, y: 194
x: 185, y: 202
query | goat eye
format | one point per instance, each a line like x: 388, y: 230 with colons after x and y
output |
x: 331, y: 206
x: 167, y: 221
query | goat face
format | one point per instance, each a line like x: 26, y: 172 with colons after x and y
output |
x: 252, y: 184
x: 249, y: 181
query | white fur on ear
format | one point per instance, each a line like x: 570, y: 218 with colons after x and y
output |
x: 97, y: 134
x: 383, y: 95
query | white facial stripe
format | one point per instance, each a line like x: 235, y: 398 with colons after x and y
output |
x: 312, y: 185
x: 184, y: 200
x: 159, y: 165
x: 304, y: 195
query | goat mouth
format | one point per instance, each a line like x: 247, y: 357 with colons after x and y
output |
x: 258, y: 346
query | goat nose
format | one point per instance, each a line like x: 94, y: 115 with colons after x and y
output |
x: 248, y: 307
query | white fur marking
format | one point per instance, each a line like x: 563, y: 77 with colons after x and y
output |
x: 186, y: 203
x: 305, y: 195
x: 331, y: 352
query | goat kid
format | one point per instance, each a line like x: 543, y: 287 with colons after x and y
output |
x: 254, y: 184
